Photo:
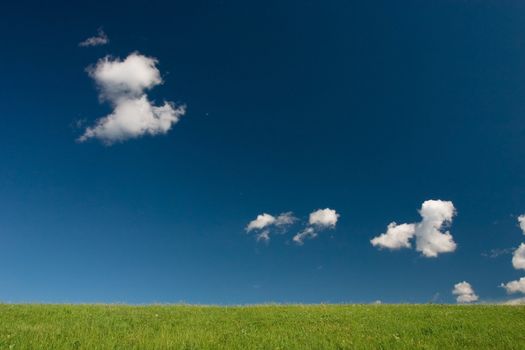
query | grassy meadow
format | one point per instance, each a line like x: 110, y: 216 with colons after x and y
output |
x: 262, y: 327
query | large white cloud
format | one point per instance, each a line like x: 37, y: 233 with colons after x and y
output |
x: 395, y: 237
x: 264, y: 222
x: 464, y: 292
x: 100, y: 39
x: 515, y: 286
x: 124, y: 78
x: 518, y: 258
x: 133, y: 118
x: 122, y: 83
x: 318, y: 220
x: 430, y: 239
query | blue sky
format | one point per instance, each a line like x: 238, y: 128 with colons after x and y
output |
x: 365, y: 108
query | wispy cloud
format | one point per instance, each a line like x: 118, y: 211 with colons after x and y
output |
x: 123, y: 83
x: 430, y: 238
x: 265, y: 223
x: 100, y: 39
x: 494, y: 253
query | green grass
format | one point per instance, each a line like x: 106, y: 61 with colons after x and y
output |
x: 261, y: 327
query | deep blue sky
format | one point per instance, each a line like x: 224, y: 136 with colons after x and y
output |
x: 367, y: 107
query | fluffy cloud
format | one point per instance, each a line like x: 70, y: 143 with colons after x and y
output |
x: 100, y: 39
x: 264, y: 222
x: 133, y: 118
x: 518, y: 258
x: 318, y: 220
x: 430, y: 239
x: 521, y: 221
x: 324, y: 218
x: 395, y: 237
x: 122, y: 83
x: 260, y: 222
x: 515, y: 286
x: 464, y: 293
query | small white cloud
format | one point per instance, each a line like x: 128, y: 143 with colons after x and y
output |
x: 518, y: 258
x: 323, y: 218
x: 515, y: 286
x: 285, y: 219
x: 264, y: 222
x: 395, y: 237
x: 100, y: 39
x: 521, y: 220
x: 430, y: 240
x: 122, y: 83
x: 318, y: 220
x: 464, y: 293
x: 261, y: 221
x: 308, y: 232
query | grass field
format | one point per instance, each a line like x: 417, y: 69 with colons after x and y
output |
x: 261, y: 327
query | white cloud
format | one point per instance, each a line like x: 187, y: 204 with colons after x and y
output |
x: 308, y: 232
x: 323, y: 218
x: 100, y: 39
x: 260, y: 222
x: 133, y: 118
x: 318, y: 220
x: 515, y: 286
x: 395, y: 237
x: 517, y: 301
x: 464, y: 293
x: 285, y: 219
x: 264, y: 222
x: 430, y: 240
x: 518, y: 258
x: 123, y: 83
x: 521, y: 220
x: 126, y: 78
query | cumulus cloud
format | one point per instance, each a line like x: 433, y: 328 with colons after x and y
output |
x: 521, y: 221
x: 464, y: 293
x: 264, y: 222
x: 515, y: 286
x: 100, y: 39
x: 518, y: 258
x: 430, y: 238
x: 324, y: 218
x: 318, y: 220
x: 260, y: 222
x: 122, y: 83
x: 395, y: 237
